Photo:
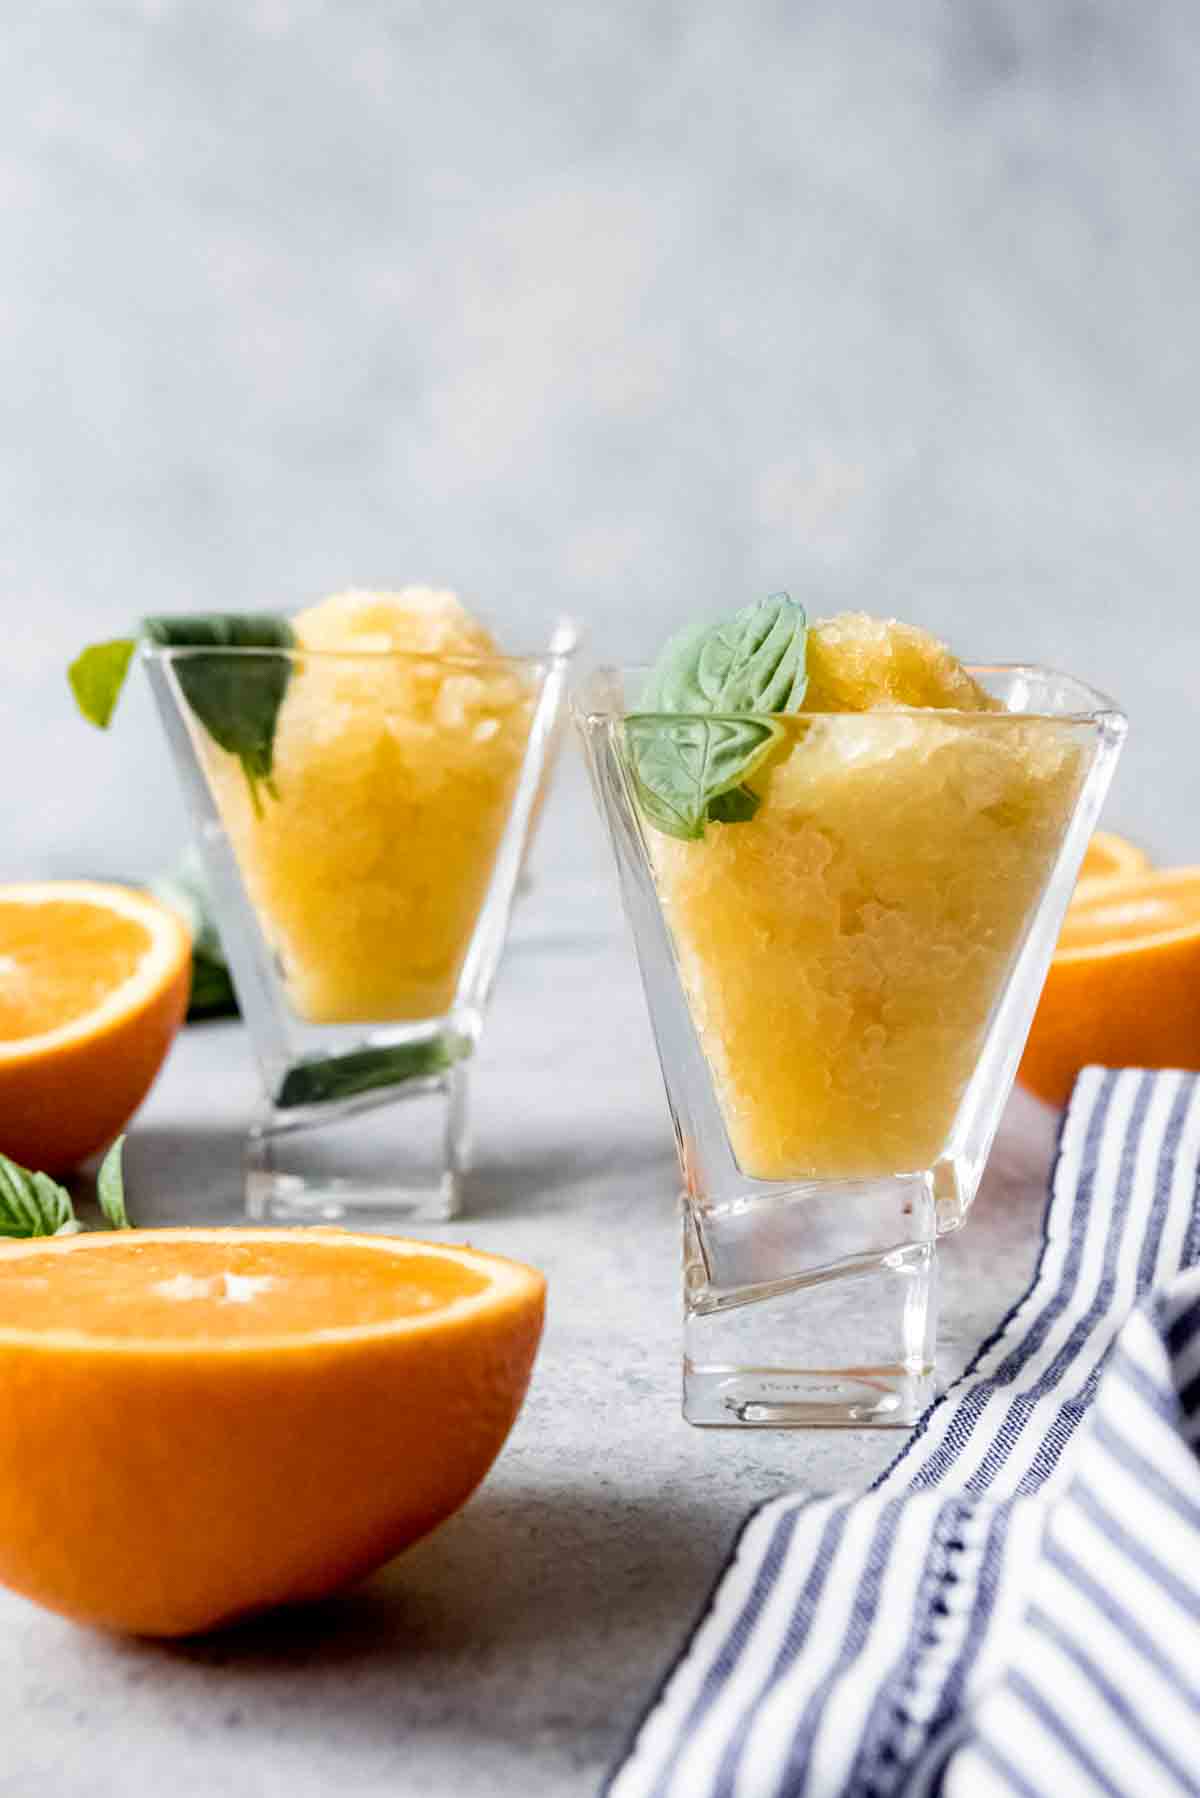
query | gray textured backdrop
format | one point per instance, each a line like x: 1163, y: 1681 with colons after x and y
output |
x: 629, y: 308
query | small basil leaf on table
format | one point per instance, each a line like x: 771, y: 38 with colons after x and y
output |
x: 110, y: 1189
x: 33, y: 1204
x: 236, y: 698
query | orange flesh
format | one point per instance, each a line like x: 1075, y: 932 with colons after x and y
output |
x: 1123, y: 985
x: 1125, y: 919
x: 222, y: 1291
x: 60, y: 960
x: 215, y: 1422
x: 1110, y: 856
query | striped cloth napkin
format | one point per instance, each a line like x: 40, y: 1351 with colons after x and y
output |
x: 1014, y: 1608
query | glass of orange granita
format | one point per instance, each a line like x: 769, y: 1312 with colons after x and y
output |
x: 363, y: 793
x: 845, y: 857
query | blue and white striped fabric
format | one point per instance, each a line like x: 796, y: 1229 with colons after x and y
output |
x: 1015, y: 1606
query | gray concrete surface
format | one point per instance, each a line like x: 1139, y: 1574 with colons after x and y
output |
x: 633, y: 309
x: 637, y: 311
x: 511, y: 1652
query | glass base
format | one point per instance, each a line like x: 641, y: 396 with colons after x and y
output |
x: 812, y: 1308
x: 377, y: 1160
x: 794, y: 1398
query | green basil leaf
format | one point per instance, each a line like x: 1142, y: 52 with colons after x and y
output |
x: 33, y: 1204
x: 752, y: 662
x: 737, y: 806
x: 97, y: 676
x: 236, y: 698
x: 681, y: 765
x: 110, y: 1189
x: 365, y: 1070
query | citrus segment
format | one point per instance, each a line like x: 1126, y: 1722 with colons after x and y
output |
x: 224, y: 1420
x: 1123, y: 988
x: 93, y: 986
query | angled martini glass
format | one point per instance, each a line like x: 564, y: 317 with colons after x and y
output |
x: 363, y: 874
x: 840, y: 987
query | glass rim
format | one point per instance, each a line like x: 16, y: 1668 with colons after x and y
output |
x: 1099, y: 709
x: 564, y: 642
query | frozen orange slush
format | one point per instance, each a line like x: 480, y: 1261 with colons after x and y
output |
x: 397, y: 754
x: 842, y: 949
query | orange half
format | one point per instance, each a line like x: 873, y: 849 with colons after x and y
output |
x: 197, y: 1424
x: 1124, y: 985
x: 93, y: 986
x: 1110, y: 857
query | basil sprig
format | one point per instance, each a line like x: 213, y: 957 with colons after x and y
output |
x: 690, y: 768
x: 235, y: 698
x: 35, y: 1205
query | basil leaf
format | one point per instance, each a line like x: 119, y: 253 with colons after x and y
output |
x: 110, y: 1189
x: 236, y: 698
x: 365, y: 1070
x: 33, y: 1204
x: 752, y: 662
x: 97, y: 676
x: 737, y: 806
x: 682, y: 765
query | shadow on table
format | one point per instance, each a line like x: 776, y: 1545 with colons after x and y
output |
x: 549, y: 1176
x: 193, y: 1174
x: 580, y: 1592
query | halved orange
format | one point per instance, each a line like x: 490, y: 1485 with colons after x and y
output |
x: 1110, y: 857
x: 93, y: 986
x: 1124, y: 985
x: 198, y: 1424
